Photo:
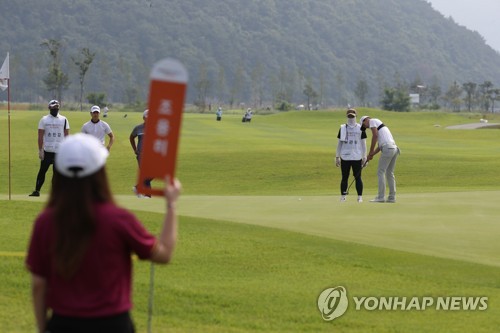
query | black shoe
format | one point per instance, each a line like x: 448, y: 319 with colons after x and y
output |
x: 35, y: 194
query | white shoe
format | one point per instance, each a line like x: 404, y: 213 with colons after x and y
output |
x: 342, y: 198
x: 360, y: 199
x: 377, y: 200
x: 391, y: 200
x: 134, y: 189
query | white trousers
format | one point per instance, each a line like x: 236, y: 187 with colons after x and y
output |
x: 386, y: 165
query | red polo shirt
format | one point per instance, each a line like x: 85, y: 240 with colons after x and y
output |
x: 102, y: 284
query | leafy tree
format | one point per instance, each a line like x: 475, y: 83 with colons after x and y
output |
x: 131, y: 95
x: 470, y: 92
x: 453, y: 96
x: 340, y: 87
x: 236, y: 87
x: 311, y: 95
x: 322, y: 87
x: 283, y: 106
x: 202, y: 87
x: 83, y: 66
x: 284, y: 86
x: 361, y: 91
x: 485, y: 92
x: 279, y: 89
x: 56, y: 80
x: 495, y: 96
x: 97, y: 99
x: 221, y: 85
x: 434, y: 92
x: 396, y: 100
x: 257, y: 85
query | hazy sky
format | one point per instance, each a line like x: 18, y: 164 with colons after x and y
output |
x: 482, y: 16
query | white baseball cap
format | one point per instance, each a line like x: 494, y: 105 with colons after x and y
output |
x: 80, y: 155
x: 145, y: 113
x: 362, y: 120
x: 95, y: 108
x: 53, y: 104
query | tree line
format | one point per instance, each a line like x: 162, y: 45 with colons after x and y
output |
x: 471, y: 95
x: 268, y: 53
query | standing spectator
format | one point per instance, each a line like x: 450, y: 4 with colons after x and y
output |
x: 79, y: 255
x: 98, y: 128
x: 219, y: 114
x: 387, y: 162
x: 52, y: 129
x: 105, y: 111
x: 351, y: 154
x: 138, y: 132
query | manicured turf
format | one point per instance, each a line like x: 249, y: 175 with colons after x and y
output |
x: 252, y: 257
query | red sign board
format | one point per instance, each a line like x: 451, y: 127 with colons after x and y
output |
x: 161, y: 133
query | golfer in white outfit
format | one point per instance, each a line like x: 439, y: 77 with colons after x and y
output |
x: 387, y: 162
x: 98, y: 128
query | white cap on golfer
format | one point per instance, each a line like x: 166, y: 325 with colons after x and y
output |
x: 80, y: 155
x: 145, y: 113
x: 54, y: 104
x: 362, y: 120
x: 95, y: 108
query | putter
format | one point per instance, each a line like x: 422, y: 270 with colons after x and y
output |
x: 355, y: 177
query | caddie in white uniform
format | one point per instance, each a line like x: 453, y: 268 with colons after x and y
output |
x: 98, y: 128
x: 382, y: 136
x: 52, y: 129
x: 351, y: 154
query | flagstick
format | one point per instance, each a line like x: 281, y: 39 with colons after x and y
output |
x: 8, y: 117
x: 151, y: 295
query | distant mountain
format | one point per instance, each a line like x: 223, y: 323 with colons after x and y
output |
x: 251, y: 51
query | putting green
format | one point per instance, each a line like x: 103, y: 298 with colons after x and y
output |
x: 460, y: 225
x: 456, y: 225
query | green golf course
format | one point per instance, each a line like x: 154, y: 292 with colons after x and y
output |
x: 263, y: 233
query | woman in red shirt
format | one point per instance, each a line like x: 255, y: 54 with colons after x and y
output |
x: 80, y: 252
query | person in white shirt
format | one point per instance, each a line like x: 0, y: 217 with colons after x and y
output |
x: 98, y: 128
x: 219, y: 114
x: 52, y: 129
x: 382, y: 136
x: 351, y: 154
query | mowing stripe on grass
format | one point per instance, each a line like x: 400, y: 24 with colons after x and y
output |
x: 12, y: 254
x: 456, y: 225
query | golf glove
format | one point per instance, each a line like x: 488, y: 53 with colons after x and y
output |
x: 337, y: 161
x: 41, y: 154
